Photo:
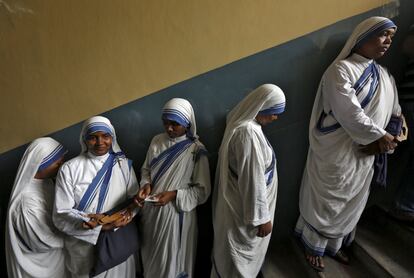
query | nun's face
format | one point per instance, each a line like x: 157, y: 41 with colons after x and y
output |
x: 99, y: 143
x: 376, y: 46
x: 173, y: 128
x: 266, y: 119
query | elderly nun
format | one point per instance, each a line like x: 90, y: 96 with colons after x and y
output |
x: 34, y: 247
x: 244, y: 198
x: 175, y: 180
x: 95, y: 181
x: 354, y: 103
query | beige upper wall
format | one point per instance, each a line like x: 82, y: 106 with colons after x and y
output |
x: 63, y: 61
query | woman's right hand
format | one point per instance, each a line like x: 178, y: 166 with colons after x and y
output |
x: 384, y: 144
x: 143, y: 193
x: 387, y: 143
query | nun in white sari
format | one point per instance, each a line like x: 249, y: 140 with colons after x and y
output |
x: 245, y: 192
x: 34, y: 247
x: 354, y: 103
x: 95, y: 181
x: 176, y: 174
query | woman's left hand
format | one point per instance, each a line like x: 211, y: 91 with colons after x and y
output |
x: 264, y: 229
x: 121, y: 222
x: 93, y: 220
x: 165, y: 197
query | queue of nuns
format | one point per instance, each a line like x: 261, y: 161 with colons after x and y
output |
x: 83, y: 217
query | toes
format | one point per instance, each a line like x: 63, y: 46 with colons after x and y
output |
x: 320, y: 262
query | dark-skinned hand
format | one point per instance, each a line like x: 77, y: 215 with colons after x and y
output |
x: 264, y: 229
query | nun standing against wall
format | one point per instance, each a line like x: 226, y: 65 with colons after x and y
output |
x: 177, y: 177
x: 353, y: 106
x: 97, y: 180
x: 34, y: 247
x: 245, y: 192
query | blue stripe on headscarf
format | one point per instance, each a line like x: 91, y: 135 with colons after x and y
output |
x: 57, y: 153
x: 274, y: 110
x: 176, y: 116
x: 377, y: 28
x: 95, y: 127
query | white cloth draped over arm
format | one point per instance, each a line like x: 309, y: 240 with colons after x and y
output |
x: 34, y: 225
x: 340, y: 96
x: 250, y: 167
x: 66, y: 218
x: 189, y: 198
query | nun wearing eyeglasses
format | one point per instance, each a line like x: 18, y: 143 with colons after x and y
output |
x: 95, y: 181
x: 34, y: 247
x: 175, y: 180
x: 245, y: 192
x: 355, y: 102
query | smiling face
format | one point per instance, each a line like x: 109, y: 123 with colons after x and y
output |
x: 173, y: 129
x: 376, y: 46
x: 266, y: 119
x: 99, y: 143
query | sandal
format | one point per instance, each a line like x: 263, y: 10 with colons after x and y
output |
x: 341, y: 257
x: 318, y: 264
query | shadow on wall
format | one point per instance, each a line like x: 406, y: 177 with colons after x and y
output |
x: 296, y: 67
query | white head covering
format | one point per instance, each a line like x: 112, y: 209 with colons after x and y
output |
x: 41, y: 152
x: 181, y: 111
x: 95, y: 124
x: 264, y: 97
x: 363, y: 32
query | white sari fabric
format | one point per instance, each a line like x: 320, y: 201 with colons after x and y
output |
x: 337, y: 176
x: 246, y: 187
x: 169, y: 233
x: 34, y: 247
x: 72, y: 183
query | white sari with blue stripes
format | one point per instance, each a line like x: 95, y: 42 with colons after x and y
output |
x: 72, y: 184
x: 169, y: 233
x: 251, y: 201
x: 33, y: 246
x: 356, y: 100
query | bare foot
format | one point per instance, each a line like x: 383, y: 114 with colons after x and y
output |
x: 316, y: 262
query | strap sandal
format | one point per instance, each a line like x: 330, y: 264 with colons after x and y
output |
x: 341, y: 257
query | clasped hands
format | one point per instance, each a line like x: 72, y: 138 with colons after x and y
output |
x: 383, y: 145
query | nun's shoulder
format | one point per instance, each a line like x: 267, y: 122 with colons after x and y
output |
x: 245, y: 132
x: 162, y: 137
x: 75, y: 162
x: 384, y: 70
x: 199, y: 144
